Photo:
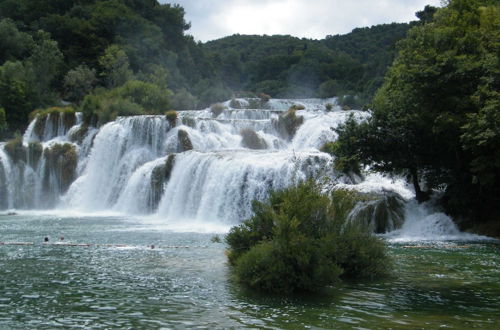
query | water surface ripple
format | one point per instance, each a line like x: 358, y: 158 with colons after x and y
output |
x: 185, y: 283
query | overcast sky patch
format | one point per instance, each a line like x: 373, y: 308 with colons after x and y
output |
x: 213, y: 19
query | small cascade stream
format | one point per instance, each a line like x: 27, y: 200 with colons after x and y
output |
x: 204, y: 167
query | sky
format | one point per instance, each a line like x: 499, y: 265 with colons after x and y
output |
x: 214, y: 19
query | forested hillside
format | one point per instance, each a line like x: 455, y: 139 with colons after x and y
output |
x: 126, y: 57
x: 286, y: 66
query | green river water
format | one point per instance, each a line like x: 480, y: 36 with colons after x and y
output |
x: 185, y: 282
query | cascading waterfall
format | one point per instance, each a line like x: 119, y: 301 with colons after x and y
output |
x: 205, y: 167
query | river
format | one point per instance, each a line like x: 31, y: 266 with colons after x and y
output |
x: 116, y: 280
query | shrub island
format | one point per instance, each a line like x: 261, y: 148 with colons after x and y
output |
x: 302, y: 239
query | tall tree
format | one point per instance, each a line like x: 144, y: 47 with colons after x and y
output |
x: 435, y: 114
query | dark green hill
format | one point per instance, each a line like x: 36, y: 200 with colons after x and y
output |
x: 285, y: 66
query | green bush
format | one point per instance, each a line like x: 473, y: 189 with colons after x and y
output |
x: 171, y: 117
x: 103, y: 107
x: 183, y: 100
x: 152, y: 98
x: 288, y: 123
x: 343, y: 162
x: 91, y: 107
x: 302, y: 240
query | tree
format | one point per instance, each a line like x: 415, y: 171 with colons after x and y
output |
x: 427, y: 14
x: 15, y: 94
x: 78, y: 82
x: 3, y: 122
x: 429, y: 117
x: 115, y: 67
x: 14, y: 45
x: 45, y: 62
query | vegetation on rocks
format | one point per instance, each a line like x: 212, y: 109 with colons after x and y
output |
x: 184, y: 141
x: 15, y: 149
x: 302, y: 240
x: 66, y: 115
x: 62, y: 159
x: 159, y: 177
x: 251, y: 140
x: 288, y: 123
x: 171, y: 117
x: 380, y: 213
x: 216, y: 109
x: 34, y: 154
x: 235, y: 104
x: 79, y: 134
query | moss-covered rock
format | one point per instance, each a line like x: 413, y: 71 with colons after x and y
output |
x: 296, y: 107
x: 184, y: 141
x: 63, y: 159
x: 188, y: 121
x: 235, y: 104
x: 79, y: 134
x: 328, y: 107
x: 54, y: 115
x: 288, y: 123
x: 34, y: 154
x: 169, y: 166
x: 15, y: 150
x: 216, y: 109
x: 264, y: 98
x: 251, y: 140
x: 171, y: 117
x: 255, y: 103
x: 382, y: 212
x: 159, y: 176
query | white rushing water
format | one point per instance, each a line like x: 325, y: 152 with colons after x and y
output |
x: 205, y: 169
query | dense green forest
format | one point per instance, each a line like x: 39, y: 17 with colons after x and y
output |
x: 125, y: 57
x: 285, y: 66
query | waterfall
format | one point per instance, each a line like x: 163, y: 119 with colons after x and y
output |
x: 203, y: 167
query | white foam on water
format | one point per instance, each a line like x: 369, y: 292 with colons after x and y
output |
x: 426, y: 223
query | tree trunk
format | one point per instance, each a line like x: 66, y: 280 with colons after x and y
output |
x: 420, y: 195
